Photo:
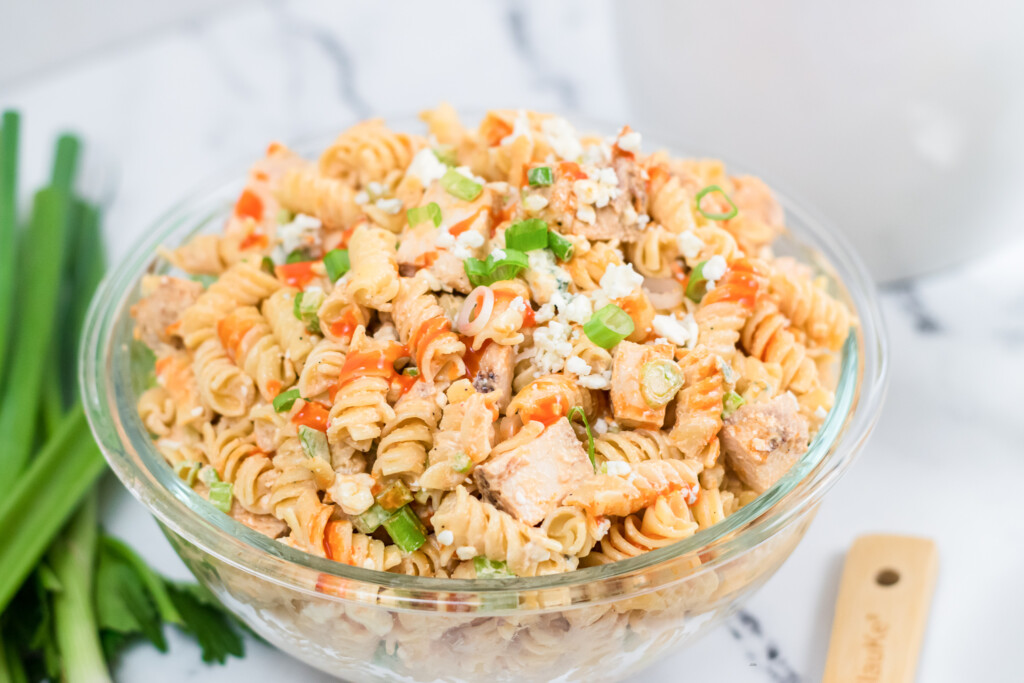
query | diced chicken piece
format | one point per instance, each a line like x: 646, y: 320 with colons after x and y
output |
x: 165, y: 298
x: 632, y: 185
x: 628, y: 402
x: 267, y: 525
x: 450, y: 271
x: 476, y: 435
x: 530, y: 481
x: 494, y: 376
x: 762, y: 440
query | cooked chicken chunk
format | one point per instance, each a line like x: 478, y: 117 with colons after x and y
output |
x: 164, y: 300
x: 761, y: 441
x: 628, y: 402
x: 530, y: 481
x: 494, y: 376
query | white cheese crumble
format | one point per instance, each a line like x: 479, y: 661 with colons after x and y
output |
x: 498, y: 254
x: 586, y: 214
x: 544, y: 313
x: 466, y: 242
x: 597, y: 154
x: 680, y: 332
x: 562, y: 138
x: 518, y: 305
x: 578, y: 309
x: 446, y: 537
x: 368, y: 563
x: 620, y: 281
x: 689, y: 245
x: 617, y: 468
x: 630, y: 142
x: 520, y: 128
x: 426, y: 167
x: 534, y: 203
x: 444, y: 239
x: 601, y: 425
x: 545, y: 277
x: 642, y: 220
x: 577, y: 366
x: 391, y: 206
x: 600, y: 380
x: 376, y: 189
x: 465, y: 552
x: 714, y: 269
x: 362, y: 197
x: 303, y: 231
x: 467, y: 173
x: 820, y: 413
x: 353, y: 493
x: 553, y: 346
x: 692, y: 494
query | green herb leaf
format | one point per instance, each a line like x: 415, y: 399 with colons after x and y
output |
x: 562, y: 247
x: 577, y: 411
x: 285, y: 400
x: 337, y: 263
x: 527, y: 235
x: 418, y: 214
x: 608, y: 326
x: 494, y: 270
x: 123, y: 605
x: 540, y: 176
x: 205, y: 619
x: 459, y: 186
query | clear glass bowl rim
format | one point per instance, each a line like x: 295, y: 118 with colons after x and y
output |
x: 130, y: 452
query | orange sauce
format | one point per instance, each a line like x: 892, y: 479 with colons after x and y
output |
x: 496, y: 130
x: 231, y: 331
x: 254, y: 239
x: 249, y: 205
x: 572, y: 170
x: 260, y: 176
x: 344, y: 326
x: 500, y: 295
x: 547, y: 410
x: 656, y: 176
x: 617, y: 151
x: 274, y: 387
x: 464, y: 225
x: 426, y: 333
x: 740, y: 284
x: 375, y: 363
x: 296, y: 274
x: 472, y: 358
x: 346, y: 235
x: 312, y: 415
x: 274, y: 147
x: 404, y: 383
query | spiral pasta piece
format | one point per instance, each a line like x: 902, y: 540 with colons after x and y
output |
x: 368, y: 152
x: 373, y: 280
x: 550, y: 397
x: 340, y: 316
x: 572, y: 529
x: 699, y: 403
x: 494, y: 534
x: 241, y: 285
x: 511, y: 299
x: 295, y: 500
x: 250, y: 343
x: 360, y: 407
x: 653, y: 252
x: 424, y: 328
x: 322, y: 368
x: 222, y: 385
x: 767, y: 337
x: 668, y: 520
x: 724, y: 310
x: 408, y: 436
x: 617, y: 495
x: 291, y: 332
x: 633, y: 446
x: 239, y: 461
x: 157, y: 410
x: 825, y: 320
x: 587, y: 266
x: 303, y: 190
x: 345, y: 544
x: 669, y: 202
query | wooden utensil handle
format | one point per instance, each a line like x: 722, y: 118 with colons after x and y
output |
x: 881, y: 610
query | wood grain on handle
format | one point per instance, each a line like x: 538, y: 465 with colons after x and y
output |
x: 881, y: 610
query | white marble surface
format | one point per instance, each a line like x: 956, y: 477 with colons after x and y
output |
x: 166, y: 111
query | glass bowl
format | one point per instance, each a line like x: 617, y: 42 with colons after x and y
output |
x: 594, y: 624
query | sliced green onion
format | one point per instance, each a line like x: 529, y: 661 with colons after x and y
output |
x: 418, y: 214
x: 394, y: 495
x: 483, y: 273
x: 337, y: 263
x: 314, y: 443
x: 306, y: 305
x: 220, y: 494
x: 284, y: 216
x: 540, y: 176
x: 698, y: 284
x: 411, y: 371
x: 298, y: 256
x: 285, y: 400
x: 187, y: 471
x: 406, y: 529
x: 490, y: 569
x: 577, y: 411
x: 731, y: 403
x: 446, y: 155
x: 609, y: 326
x: 208, y: 475
x: 370, y: 521
x: 660, y: 380
x: 267, y: 265
x: 716, y: 216
x: 527, y: 235
x: 562, y: 247
x: 459, y: 186
x: 461, y: 463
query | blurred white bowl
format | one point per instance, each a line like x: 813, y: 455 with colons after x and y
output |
x: 900, y: 120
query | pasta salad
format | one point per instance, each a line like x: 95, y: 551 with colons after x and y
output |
x: 508, y: 350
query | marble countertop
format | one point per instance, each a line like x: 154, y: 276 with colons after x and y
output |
x: 163, y: 112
